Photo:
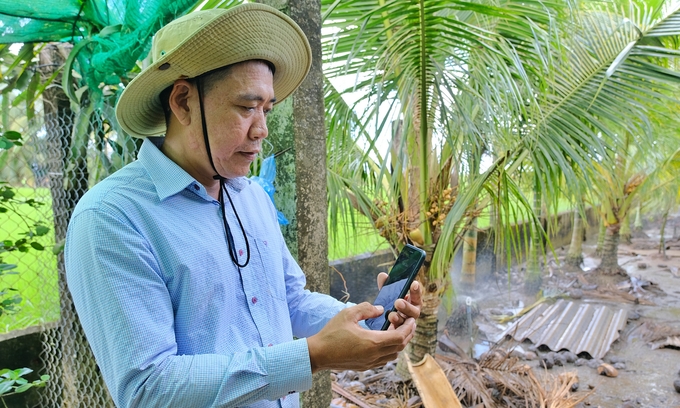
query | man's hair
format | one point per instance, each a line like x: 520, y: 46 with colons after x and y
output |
x: 208, y: 79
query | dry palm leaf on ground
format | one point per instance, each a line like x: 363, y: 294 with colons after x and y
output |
x: 656, y: 335
x: 498, y: 380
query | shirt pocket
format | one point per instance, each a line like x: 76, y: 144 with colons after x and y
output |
x: 271, y: 267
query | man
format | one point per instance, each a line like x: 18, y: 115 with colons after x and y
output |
x: 178, y: 270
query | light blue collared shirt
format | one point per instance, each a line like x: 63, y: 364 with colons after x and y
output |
x: 170, y: 319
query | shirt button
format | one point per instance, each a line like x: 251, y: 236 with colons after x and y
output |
x: 196, y: 187
x: 254, y: 300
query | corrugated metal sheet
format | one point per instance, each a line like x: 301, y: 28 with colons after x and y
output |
x: 577, y: 327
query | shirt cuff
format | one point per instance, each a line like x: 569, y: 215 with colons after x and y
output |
x: 288, y: 368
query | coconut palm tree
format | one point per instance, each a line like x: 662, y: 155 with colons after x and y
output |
x: 550, y: 94
x: 642, y: 147
x: 438, y: 70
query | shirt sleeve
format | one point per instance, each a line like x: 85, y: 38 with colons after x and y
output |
x: 127, y: 315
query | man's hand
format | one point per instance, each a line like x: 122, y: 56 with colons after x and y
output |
x: 409, y: 307
x: 342, y: 344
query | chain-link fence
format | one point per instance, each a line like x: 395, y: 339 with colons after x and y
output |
x: 62, y: 156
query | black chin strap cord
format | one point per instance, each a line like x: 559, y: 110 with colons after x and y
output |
x: 223, y: 189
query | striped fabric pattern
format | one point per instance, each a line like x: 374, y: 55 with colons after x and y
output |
x: 171, y: 320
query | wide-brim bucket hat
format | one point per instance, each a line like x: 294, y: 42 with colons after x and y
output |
x: 207, y: 40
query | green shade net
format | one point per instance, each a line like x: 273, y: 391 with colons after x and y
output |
x: 114, y: 33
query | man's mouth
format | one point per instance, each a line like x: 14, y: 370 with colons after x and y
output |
x: 250, y: 155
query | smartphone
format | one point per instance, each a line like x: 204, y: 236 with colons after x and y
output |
x: 397, y: 285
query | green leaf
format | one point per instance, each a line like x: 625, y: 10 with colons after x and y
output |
x: 108, y: 30
x: 41, y: 230
x: 22, y: 388
x: 7, y: 193
x: 12, y: 135
x: 7, y: 267
x: 37, y: 246
x: 67, y: 83
x: 58, y: 247
x: 5, y: 386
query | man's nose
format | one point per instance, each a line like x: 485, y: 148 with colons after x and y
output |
x: 259, y: 130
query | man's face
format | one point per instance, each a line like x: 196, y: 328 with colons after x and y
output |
x: 236, y: 107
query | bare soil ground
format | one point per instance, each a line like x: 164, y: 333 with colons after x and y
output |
x: 646, y: 354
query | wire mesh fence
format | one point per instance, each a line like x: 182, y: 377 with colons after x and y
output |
x: 62, y: 156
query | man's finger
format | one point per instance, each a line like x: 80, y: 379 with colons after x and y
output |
x: 382, y: 278
x: 364, y: 311
x: 415, y: 294
x: 407, y: 309
x: 397, y: 318
x: 408, y: 328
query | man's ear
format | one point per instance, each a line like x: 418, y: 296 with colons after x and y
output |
x: 182, y: 92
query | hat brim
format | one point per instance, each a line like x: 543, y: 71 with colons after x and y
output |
x: 247, y: 32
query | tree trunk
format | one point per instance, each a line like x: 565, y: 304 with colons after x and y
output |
x: 310, y: 160
x: 532, y: 280
x: 626, y: 235
x: 609, y: 265
x: 79, y: 379
x: 469, y: 266
x: 425, y: 339
x: 637, y: 226
x: 662, y: 238
x: 574, y: 257
x: 602, y: 231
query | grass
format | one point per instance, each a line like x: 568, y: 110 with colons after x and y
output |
x: 36, y: 279
x: 346, y: 242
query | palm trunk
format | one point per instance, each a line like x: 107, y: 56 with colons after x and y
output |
x: 600, y: 238
x: 469, y: 267
x: 662, y: 238
x: 425, y: 339
x: 533, y: 276
x: 574, y: 257
x: 610, y: 259
x: 626, y: 235
x: 637, y: 226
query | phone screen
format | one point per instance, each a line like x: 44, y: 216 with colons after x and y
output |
x: 397, y: 285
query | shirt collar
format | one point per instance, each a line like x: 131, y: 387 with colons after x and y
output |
x: 168, y: 177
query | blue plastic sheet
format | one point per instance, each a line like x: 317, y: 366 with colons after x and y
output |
x: 266, y: 180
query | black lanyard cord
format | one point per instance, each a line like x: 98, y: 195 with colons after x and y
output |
x: 223, y: 190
